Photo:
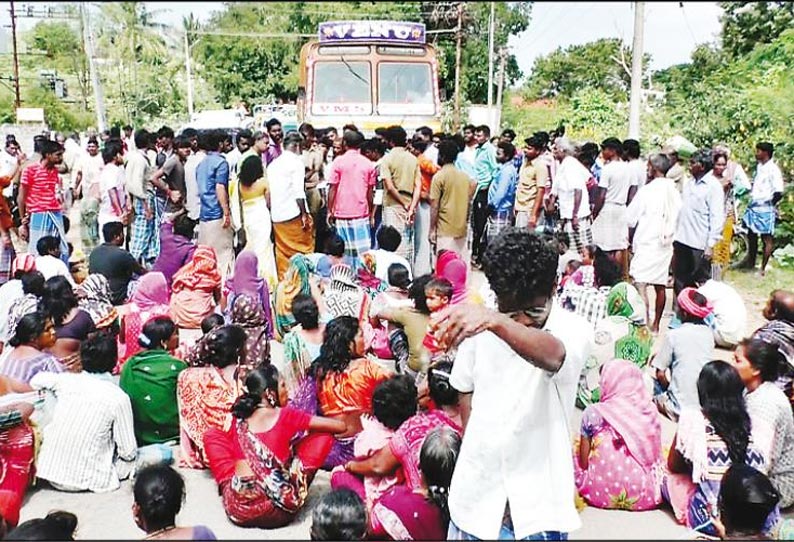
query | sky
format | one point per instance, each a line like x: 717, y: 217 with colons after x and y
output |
x: 672, y: 29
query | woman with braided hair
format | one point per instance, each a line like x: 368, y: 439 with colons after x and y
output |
x: 421, y: 513
x: 262, y: 474
x: 708, y: 441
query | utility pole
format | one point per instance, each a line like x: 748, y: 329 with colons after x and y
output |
x: 189, y: 77
x: 490, y: 56
x: 458, y: 50
x: 89, y: 52
x: 17, y: 99
x: 636, y: 71
x: 500, y: 85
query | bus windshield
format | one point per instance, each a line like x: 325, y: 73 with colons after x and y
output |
x: 342, y: 87
x: 403, y: 83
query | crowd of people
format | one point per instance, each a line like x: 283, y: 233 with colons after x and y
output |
x: 441, y: 409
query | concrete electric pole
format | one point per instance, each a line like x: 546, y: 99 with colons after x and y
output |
x: 636, y: 71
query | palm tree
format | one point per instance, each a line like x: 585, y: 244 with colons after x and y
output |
x: 131, y: 36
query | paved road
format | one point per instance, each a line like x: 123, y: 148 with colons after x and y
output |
x: 109, y: 516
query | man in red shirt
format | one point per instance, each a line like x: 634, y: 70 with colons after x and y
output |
x: 39, y: 206
x: 351, y: 191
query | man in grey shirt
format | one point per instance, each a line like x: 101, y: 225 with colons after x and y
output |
x: 684, y: 351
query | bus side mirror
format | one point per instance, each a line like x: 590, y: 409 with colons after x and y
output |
x: 443, y: 94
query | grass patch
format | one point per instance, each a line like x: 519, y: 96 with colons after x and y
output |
x: 754, y: 288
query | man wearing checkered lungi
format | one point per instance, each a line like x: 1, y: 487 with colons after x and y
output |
x: 144, y: 237
x: 351, y: 190
x: 502, y: 192
x: 402, y: 183
x: 569, y: 191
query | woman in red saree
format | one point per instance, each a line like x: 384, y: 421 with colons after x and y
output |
x: 16, y: 451
x: 262, y: 477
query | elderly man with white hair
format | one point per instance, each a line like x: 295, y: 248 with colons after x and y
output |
x: 569, y: 191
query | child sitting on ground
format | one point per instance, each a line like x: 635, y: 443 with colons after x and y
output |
x: 334, y: 254
x: 438, y: 293
x: 684, y: 351
x: 572, y: 267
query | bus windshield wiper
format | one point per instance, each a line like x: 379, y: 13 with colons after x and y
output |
x: 351, y: 70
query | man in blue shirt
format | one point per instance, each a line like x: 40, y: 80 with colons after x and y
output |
x: 699, y: 223
x: 502, y: 192
x: 215, y: 225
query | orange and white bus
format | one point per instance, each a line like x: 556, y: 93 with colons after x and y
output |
x: 371, y: 74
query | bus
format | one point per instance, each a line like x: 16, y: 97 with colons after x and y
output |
x: 371, y: 74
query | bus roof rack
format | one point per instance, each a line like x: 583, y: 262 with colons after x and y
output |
x: 372, y: 31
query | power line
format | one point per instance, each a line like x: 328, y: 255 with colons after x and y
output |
x: 279, y: 35
x: 686, y: 20
x: 384, y: 13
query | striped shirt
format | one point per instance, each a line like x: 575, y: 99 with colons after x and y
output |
x: 24, y: 369
x: 90, y: 442
x: 42, y: 184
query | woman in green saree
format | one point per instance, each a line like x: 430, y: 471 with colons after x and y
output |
x: 623, y: 334
x: 150, y: 378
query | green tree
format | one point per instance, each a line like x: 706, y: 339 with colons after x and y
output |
x: 747, y: 24
x: 592, y: 114
x: 511, y: 18
x: 142, y: 80
x: 682, y: 78
x: 62, y: 46
x: 256, y: 69
x: 603, y: 64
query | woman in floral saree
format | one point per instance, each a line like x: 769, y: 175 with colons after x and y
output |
x: 207, y: 390
x: 295, y: 281
x: 619, y: 459
x: 263, y: 477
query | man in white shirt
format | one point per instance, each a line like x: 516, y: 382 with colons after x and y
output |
x: 86, y: 186
x: 636, y: 166
x: 389, y: 240
x: 112, y: 197
x: 292, y: 224
x: 243, y: 143
x: 569, y: 190
x: 729, y: 312
x: 516, y: 371
x: 610, y: 230
x: 90, y: 442
x: 760, y: 214
x: 49, y: 262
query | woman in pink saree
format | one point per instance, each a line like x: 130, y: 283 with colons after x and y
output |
x: 451, y: 266
x: 150, y: 299
x: 619, y: 461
